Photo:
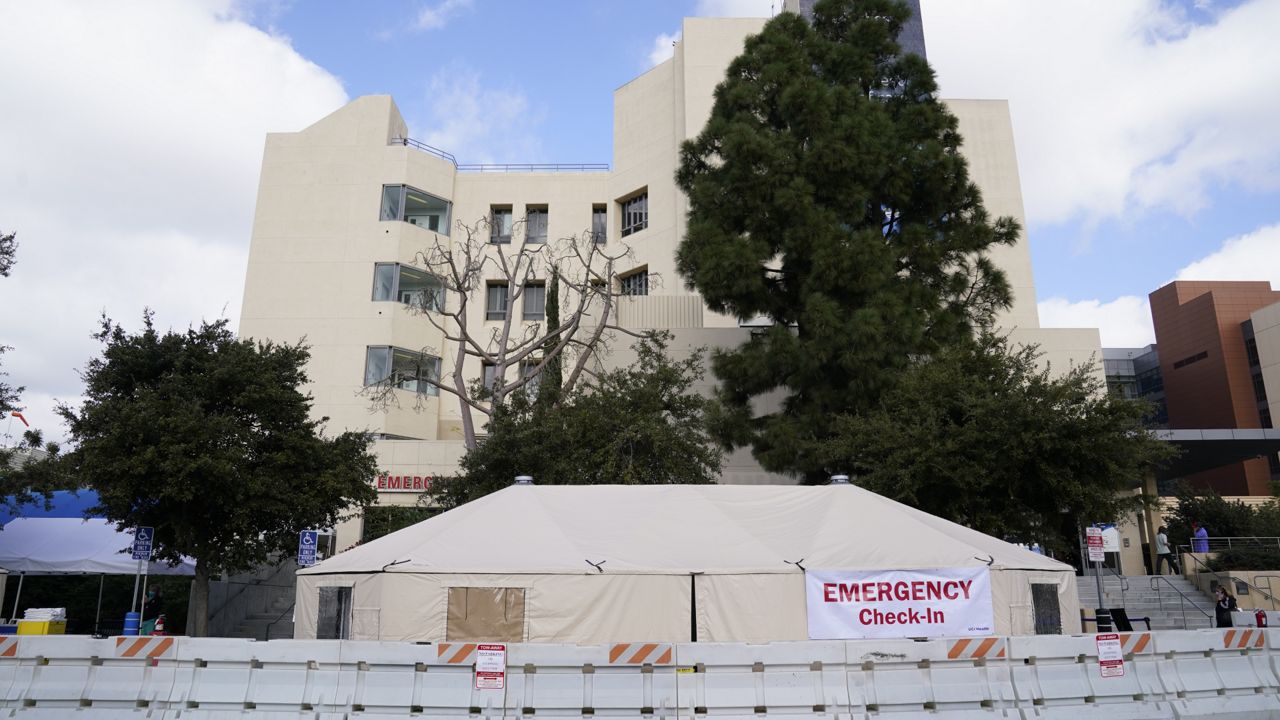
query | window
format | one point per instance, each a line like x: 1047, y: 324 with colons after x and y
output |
x: 535, y: 228
x: 393, y: 282
x: 535, y: 301
x: 599, y: 224
x: 635, y: 213
x: 488, y: 375
x: 495, y: 306
x: 401, y: 202
x: 333, y: 618
x: 485, y: 613
x: 528, y: 371
x: 404, y: 369
x: 500, y: 224
x: 636, y: 283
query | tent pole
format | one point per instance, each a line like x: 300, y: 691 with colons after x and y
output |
x: 133, y: 605
x: 98, y: 616
x: 693, y: 607
x: 18, y: 596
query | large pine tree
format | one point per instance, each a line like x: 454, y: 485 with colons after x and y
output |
x: 827, y: 194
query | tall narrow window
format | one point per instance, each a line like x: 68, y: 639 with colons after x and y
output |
x: 535, y: 230
x: 636, y: 283
x: 488, y: 375
x: 333, y: 614
x: 500, y: 224
x: 535, y: 301
x: 407, y: 204
x: 495, y: 307
x: 635, y: 213
x: 599, y: 223
x: 529, y: 371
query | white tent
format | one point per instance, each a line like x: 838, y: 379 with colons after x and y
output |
x: 63, y: 546
x: 659, y: 563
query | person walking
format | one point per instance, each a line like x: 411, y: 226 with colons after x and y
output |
x: 1164, y: 554
x: 1199, y: 538
x: 1225, y: 606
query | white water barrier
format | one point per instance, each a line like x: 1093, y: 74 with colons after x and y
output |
x: 1224, y: 674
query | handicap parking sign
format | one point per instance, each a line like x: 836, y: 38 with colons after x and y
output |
x: 307, y: 547
x: 142, y: 539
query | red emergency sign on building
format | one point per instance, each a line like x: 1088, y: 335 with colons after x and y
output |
x: 387, y: 482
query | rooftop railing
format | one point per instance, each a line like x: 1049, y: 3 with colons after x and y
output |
x: 500, y: 167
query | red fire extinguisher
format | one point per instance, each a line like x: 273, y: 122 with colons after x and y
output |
x: 1261, y: 617
x: 160, y: 625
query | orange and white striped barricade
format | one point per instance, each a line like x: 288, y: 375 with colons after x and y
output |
x: 781, y: 678
x: 617, y: 679
x: 59, y: 669
x: 129, y: 675
x: 299, y: 676
x: 449, y: 683
x: 1213, y: 673
x: 1059, y: 676
x: 953, y: 677
x: 9, y: 669
x: 212, y: 677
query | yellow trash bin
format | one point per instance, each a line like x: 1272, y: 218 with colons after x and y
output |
x: 42, y: 627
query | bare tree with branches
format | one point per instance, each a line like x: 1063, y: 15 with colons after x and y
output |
x: 466, y: 266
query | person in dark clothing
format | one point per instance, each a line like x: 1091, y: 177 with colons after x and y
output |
x: 1225, y: 606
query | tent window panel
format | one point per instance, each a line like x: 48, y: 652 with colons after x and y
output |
x: 334, y: 618
x: 1047, y: 610
x: 478, y: 613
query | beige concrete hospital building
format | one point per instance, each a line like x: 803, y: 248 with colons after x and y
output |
x: 345, y: 205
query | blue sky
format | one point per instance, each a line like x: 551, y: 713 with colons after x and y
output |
x: 132, y: 135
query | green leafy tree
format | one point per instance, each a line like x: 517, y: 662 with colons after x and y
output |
x: 208, y: 439
x: 642, y: 424
x: 981, y: 435
x: 827, y: 194
x: 1220, y: 517
x: 8, y: 252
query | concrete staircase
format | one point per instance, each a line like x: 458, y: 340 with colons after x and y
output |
x: 1172, y: 601
x: 277, y: 619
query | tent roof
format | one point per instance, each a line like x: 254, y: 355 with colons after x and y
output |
x: 59, y: 546
x: 680, y: 529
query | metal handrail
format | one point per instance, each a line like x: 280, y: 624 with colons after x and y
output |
x: 418, y: 145
x: 1182, y: 601
x: 1251, y: 541
x: 1231, y: 578
x: 535, y: 167
x: 278, y: 619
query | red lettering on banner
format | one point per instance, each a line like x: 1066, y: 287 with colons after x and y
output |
x: 964, y: 586
x: 949, y: 590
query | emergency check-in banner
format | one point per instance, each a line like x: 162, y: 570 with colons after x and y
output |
x: 851, y: 604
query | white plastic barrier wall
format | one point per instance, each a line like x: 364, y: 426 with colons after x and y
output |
x: 1224, y: 674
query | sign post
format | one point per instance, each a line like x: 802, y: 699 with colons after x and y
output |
x: 142, y: 541
x: 307, y: 540
x: 1093, y: 537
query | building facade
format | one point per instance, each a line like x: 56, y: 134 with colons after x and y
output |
x: 346, y: 206
x: 1218, y: 343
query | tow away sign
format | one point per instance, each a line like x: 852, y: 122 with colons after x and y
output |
x: 944, y: 602
x: 1110, y: 655
x: 491, y: 667
x: 1093, y: 536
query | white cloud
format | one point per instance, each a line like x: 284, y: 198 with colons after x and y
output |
x: 1120, y: 106
x: 664, y: 46
x: 1254, y: 256
x: 1123, y: 322
x: 132, y: 139
x: 1126, y: 321
x: 478, y: 124
x: 433, y: 17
